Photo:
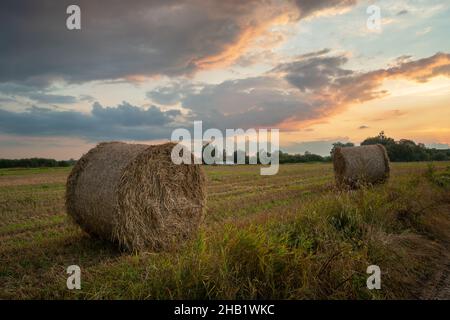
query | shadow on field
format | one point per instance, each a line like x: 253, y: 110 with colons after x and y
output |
x: 38, y: 269
x: 79, y: 249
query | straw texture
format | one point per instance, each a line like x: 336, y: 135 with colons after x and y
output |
x: 134, y: 195
x: 354, y: 166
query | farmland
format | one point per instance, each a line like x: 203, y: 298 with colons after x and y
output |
x: 288, y: 236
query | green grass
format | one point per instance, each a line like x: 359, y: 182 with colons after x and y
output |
x: 30, y: 171
x: 289, y: 236
x: 440, y: 178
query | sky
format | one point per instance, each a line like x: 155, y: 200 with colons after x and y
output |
x: 137, y: 70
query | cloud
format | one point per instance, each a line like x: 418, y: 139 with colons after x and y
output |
x: 308, y: 8
x: 6, y: 99
x: 86, y: 97
x: 313, y: 71
x: 424, y: 31
x: 51, y: 98
x: 146, y: 38
x: 389, y: 115
x: 262, y: 101
x: 103, y: 123
x: 337, y: 88
x: 170, y: 94
x: 128, y: 116
x: 420, y: 70
x: 39, y: 95
x: 293, y: 94
x: 247, y: 103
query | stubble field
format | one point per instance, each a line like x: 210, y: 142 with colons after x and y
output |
x: 288, y: 236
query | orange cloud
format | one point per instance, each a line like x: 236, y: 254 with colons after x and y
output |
x: 338, y: 93
x: 247, y: 39
x: 422, y: 70
x: 255, y: 25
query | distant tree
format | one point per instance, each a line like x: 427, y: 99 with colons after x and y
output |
x: 341, y: 145
x: 34, y: 163
x: 298, y: 158
x: 406, y: 150
x: 380, y: 139
x: 402, y: 150
x: 312, y: 158
x: 439, y: 156
x: 242, y: 154
x: 210, y: 148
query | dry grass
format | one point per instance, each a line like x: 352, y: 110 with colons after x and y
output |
x: 133, y: 195
x: 354, y: 166
x: 286, y: 236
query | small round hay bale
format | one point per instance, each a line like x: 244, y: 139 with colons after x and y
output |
x: 354, y: 166
x: 133, y: 195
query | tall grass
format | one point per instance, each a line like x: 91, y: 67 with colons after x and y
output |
x: 320, y: 251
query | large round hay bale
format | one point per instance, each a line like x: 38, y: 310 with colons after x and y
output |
x: 133, y: 195
x: 354, y: 166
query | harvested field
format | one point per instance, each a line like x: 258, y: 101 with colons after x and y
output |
x: 292, y: 235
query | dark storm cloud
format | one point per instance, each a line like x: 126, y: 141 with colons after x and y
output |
x: 126, y: 38
x: 103, y: 123
x: 118, y: 38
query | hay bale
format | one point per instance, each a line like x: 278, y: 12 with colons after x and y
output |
x: 354, y: 166
x: 134, y: 195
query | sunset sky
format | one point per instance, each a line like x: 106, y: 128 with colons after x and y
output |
x: 137, y: 70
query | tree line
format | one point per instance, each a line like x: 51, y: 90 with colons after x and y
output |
x: 403, y: 150
x: 406, y: 150
x: 35, y: 163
